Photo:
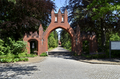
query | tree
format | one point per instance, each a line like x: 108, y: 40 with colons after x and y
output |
x: 20, y: 16
x: 53, y: 39
x: 65, y: 39
x: 102, y: 11
x: 115, y: 37
x: 52, y: 42
x: 95, y: 16
x: 100, y: 8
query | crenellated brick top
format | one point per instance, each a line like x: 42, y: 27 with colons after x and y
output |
x: 59, y: 17
x: 34, y: 35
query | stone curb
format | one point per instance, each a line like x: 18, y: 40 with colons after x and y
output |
x: 99, y: 62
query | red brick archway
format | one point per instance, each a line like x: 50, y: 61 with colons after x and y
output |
x: 47, y: 32
x: 60, y: 20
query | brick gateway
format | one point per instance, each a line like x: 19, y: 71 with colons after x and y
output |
x: 60, y: 20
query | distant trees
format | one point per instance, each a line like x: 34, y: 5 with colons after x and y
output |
x: 65, y: 40
x: 53, y: 39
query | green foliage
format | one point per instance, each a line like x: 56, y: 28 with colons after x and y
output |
x: 15, y: 47
x: 2, y: 48
x: 85, y: 47
x: 8, y: 60
x: 43, y: 54
x: 68, y: 44
x: 50, y: 49
x: 23, y: 59
x: 19, y: 16
x: 115, y: 53
x: 115, y: 37
x: 53, y: 40
x: 12, y: 58
x: 65, y: 40
x: 14, y: 1
x: 97, y: 16
x: 12, y: 51
x: 102, y: 7
x: 22, y: 55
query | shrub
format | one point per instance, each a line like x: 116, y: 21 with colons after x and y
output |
x: 12, y: 51
x: 16, y: 59
x: 44, y: 54
x: 23, y: 59
x: 21, y: 55
x: 14, y: 47
x: 2, y: 48
x: 8, y: 60
x: 115, y: 37
x: 85, y: 47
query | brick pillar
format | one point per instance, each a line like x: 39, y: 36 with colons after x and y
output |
x: 66, y: 16
x: 73, y: 43
x: 59, y: 16
x: 52, y: 16
x: 90, y: 46
x: 94, y: 44
x: 78, y: 40
x: 28, y: 47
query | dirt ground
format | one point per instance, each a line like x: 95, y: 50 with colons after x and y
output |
x: 32, y: 60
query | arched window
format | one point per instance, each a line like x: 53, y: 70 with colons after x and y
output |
x: 42, y: 41
x: 55, y: 18
x: 62, y: 18
x: 33, y: 45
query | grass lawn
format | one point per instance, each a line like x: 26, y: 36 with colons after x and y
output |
x: 50, y: 49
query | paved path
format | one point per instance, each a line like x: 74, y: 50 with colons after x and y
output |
x: 60, y: 66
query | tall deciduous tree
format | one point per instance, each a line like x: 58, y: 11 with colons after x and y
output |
x: 20, y: 16
x: 95, y: 16
x: 102, y: 11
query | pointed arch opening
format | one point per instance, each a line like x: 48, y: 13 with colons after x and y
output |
x: 68, y: 29
x: 33, y: 46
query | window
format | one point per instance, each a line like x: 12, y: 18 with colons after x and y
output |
x: 33, y: 45
x: 42, y: 41
x: 62, y: 18
x: 55, y: 18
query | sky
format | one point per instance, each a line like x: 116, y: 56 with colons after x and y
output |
x: 59, y: 4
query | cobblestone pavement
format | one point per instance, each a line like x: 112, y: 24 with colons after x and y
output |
x: 60, y: 67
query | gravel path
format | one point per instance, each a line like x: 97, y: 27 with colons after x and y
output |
x: 60, y: 66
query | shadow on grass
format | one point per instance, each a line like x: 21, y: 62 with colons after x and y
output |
x: 15, y: 71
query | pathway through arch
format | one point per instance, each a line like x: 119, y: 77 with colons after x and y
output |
x: 60, y: 52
